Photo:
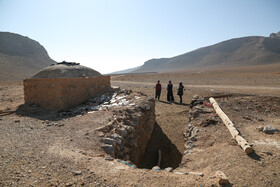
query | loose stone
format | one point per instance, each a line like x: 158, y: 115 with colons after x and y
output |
x: 169, y: 169
x: 109, y: 141
x: 109, y: 149
x: 77, y: 172
x: 270, y: 129
x: 260, y: 128
x: 117, y: 138
x: 156, y: 168
x: 122, y: 132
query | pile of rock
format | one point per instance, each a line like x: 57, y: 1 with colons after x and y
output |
x: 114, y: 97
x: 199, y: 107
x: 129, y: 130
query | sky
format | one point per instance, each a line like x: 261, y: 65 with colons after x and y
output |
x: 112, y: 35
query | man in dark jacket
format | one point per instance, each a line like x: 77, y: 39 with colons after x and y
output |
x: 170, y: 92
x: 180, y: 91
x: 158, y: 89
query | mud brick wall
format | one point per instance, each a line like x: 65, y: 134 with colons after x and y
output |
x: 64, y: 93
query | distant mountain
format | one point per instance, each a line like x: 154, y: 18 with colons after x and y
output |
x: 246, y: 51
x: 124, y: 71
x: 21, y: 57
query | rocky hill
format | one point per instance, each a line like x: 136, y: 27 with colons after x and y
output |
x: 246, y: 51
x: 21, y: 57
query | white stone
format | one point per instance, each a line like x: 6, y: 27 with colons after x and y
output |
x: 156, y: 168
x: 169, y: 169
x: 109, y: 141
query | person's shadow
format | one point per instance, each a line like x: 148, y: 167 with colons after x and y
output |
x: 184, y: 104
x: 165, y: 102
x: 173, y: 102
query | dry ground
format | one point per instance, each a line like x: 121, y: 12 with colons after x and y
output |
x: 44, y: 150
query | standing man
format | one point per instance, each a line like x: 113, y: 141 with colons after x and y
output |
x: 158, y: 89
x: 180, y: 91
x: 170, y: 92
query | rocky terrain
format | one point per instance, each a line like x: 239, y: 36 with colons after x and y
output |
x: 42, y: 147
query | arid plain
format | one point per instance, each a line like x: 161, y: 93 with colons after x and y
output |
x: 41, y: 152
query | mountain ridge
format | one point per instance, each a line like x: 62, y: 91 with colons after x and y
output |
x: 243, y: 51
x: 21, y: 57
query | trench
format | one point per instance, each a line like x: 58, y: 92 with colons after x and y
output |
x: 170, y: 155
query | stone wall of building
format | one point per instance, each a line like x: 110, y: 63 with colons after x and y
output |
x: 64, y: 93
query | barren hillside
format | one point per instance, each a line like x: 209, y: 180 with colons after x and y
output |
x: 246, y: 51
x: 21, y: 57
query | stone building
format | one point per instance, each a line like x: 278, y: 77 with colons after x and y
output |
x: 64, y: 85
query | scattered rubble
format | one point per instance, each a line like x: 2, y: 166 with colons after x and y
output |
x: 201, y: 114
x: 128, y: 132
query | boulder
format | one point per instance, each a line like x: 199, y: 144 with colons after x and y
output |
x: 270, y: 129
x: 109, y: 149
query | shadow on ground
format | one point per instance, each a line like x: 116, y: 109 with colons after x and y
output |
x: 166, y: 102
x: 170, y: 155
x: 173, y: 102
x: 38, y: 112
x: 183, y: 104
x: 255, y: 156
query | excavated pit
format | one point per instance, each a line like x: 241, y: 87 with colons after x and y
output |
x: 170, y: 155
x: 133, y: 135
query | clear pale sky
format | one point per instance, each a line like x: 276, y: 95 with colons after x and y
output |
x: 112, y: 35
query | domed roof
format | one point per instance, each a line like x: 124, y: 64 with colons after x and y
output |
x: 66, y: 70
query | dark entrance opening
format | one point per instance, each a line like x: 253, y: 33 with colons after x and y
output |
x: 170, y: 155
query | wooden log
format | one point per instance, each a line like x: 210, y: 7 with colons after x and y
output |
x: 244, y: 144
x: 231, y: 127
x: 233, y: 131
x: 222, y: 178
